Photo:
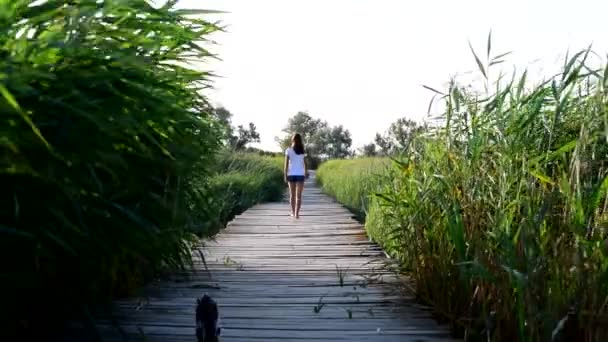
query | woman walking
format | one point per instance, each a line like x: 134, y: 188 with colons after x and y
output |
x: 296, y: 171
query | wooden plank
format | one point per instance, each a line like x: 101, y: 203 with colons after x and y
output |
x: 319, y: 331
x: 277, y: 278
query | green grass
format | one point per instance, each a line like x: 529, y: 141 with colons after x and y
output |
x: 352, y: 182
x: 243, y: 180
x: 499, y: 213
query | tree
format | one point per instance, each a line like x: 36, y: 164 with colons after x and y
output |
x: 246, y: 136
x: 308, y: 127
x: 243, y: 135
x: 402, y: 131
x: 224, y: 117
x: 398, y: 136
x: 369, y: 150
x: 338, y: 143
x: 320, y: 139
x: 383, y: 143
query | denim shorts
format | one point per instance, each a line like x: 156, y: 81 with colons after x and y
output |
x: 295, y: 179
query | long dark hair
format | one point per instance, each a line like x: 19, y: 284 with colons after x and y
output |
x: 297, y: 144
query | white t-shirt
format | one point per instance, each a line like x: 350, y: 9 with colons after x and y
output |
x: 296, y: 163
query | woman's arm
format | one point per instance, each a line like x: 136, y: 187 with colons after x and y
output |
x: 285, y: 166
x: 306, y: 166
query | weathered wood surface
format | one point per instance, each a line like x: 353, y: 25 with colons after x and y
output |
x: 269, y: 272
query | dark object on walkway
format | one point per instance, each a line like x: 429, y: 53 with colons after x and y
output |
x: 568, y: 328
x: 207, y: 320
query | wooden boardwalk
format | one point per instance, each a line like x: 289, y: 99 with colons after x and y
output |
x: 276, y: 278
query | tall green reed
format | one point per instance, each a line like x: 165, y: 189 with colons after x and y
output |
x: 104, y: 135
x: 501, y: 211
x: 498, y: 212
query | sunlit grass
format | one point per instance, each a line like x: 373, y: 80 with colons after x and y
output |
x: 352, y: 182
x: 245, y: 179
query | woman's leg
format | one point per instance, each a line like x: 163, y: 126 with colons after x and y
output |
x: 292, y: 197
x: 299, y: 188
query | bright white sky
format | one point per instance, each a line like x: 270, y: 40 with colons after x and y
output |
x: 361, y: 63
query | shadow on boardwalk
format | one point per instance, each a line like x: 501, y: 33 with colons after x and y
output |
x: 281, y: 279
